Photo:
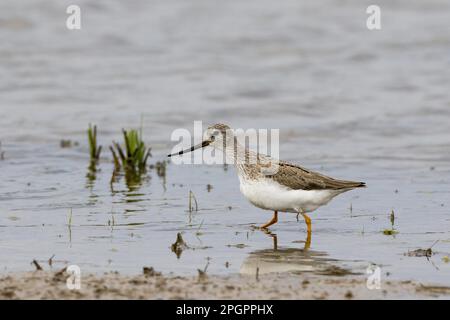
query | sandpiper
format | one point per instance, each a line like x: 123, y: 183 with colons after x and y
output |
x: 291, y: 188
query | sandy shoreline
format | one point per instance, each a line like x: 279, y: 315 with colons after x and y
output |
x: 51, y: 285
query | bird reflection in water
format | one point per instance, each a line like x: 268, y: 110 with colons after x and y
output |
x: 277, y: 260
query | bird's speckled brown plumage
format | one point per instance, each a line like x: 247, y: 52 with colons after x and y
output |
x: 296, y: 177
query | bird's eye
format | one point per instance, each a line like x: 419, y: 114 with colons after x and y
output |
x: 214, y: 134
x: 212, y: 138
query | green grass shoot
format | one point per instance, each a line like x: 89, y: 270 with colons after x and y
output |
x: 94, y: 150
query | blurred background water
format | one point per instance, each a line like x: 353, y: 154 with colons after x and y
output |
x: 352, y: 103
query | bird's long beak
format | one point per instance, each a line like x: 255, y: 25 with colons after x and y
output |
x: 198, y: 146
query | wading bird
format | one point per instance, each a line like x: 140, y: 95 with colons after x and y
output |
x: 288, y: 188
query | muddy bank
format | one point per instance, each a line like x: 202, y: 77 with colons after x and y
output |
x: 152, y: 285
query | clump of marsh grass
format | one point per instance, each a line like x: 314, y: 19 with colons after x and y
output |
x: 94, y: 149
x: 132, y: 159
x: 136, y: 153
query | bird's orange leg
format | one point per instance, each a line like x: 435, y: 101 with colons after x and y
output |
x: 308, y: 222
x: 308, y: 225
x: 271, y: 222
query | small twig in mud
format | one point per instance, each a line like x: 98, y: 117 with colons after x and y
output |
x: 50, y: 261
x: 202, y: 273
x: 61, y: 272
x: 192, y: 197
x: 422, y: 252
x: 150, y: 272
x: 257, y: 273
x: 37, y: 265
x: 59, y: 275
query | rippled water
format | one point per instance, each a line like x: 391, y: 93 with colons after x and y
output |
x: 352, y: 103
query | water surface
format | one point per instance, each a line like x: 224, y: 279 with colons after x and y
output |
x: 352, y: 103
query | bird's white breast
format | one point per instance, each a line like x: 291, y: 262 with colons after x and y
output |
x: 268, y: 194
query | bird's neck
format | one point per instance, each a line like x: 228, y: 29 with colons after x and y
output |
x: 237, y: 154
x: 249, y: 162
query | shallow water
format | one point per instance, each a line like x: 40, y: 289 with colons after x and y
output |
x: 355, y: 104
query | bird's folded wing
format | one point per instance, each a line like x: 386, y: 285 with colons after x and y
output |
x: 296, y: 177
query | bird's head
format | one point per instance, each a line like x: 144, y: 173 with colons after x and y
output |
x: 218, y: 136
